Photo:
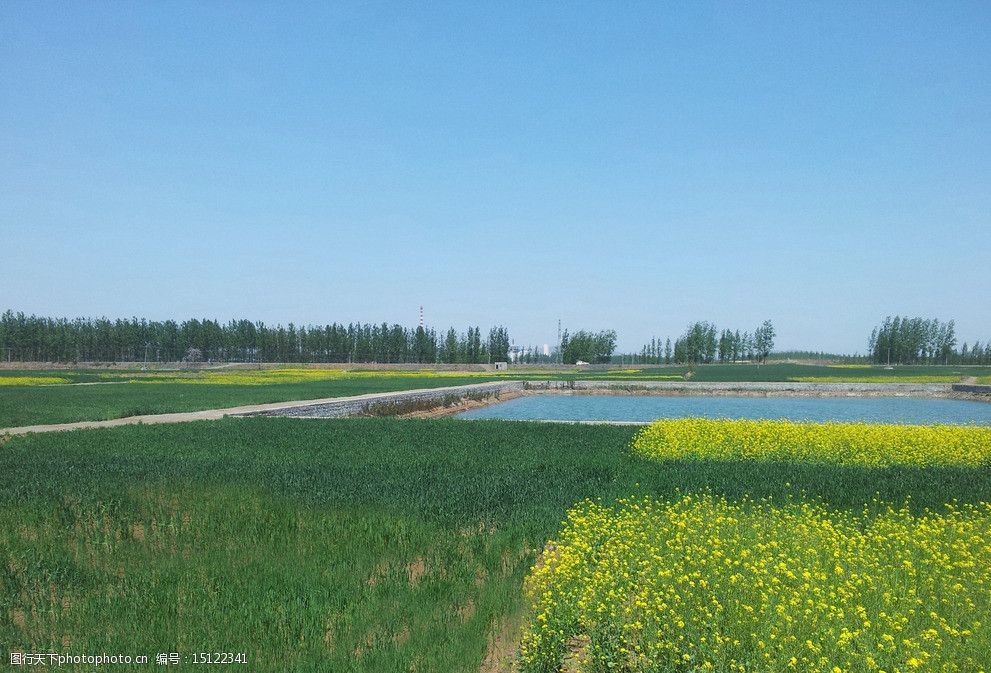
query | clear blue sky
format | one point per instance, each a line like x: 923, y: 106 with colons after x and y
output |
x: 615, y: 165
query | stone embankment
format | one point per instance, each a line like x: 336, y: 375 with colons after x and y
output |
x: 796, y: 389
x: 362, y: 404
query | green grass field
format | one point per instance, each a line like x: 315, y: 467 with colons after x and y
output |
x: 344, y: 545
x: 130, y: 393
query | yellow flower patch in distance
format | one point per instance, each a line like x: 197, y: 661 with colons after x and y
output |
x: 642, y: 377
x: 701, y: 584
x: 864, y: 444
x: 259, y: 377
x: 233, y: 376
x: 32, y: 380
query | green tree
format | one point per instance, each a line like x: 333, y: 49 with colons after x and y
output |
x: 764, y: 341
x: 586, y: 346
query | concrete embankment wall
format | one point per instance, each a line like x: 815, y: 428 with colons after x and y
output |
x: 749, y: 388
x: 354, y: 406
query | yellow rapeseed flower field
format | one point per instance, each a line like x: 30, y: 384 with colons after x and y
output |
x: 701, y: 584
x: 32, y: 380
x: 259, y: 377
x: 862, y: 444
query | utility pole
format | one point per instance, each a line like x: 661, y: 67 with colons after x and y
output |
x: 560, y: 355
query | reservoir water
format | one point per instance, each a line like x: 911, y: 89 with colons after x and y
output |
x: 902, y: 410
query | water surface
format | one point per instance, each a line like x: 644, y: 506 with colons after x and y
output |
x: 906, y: 410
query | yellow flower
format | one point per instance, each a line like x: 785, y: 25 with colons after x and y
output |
x: 702, y: 579
x: 859, y: 444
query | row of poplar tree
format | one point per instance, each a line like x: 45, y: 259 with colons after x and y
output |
x: 41, y: 339
x: 909, y: 341
x: 588, y: 347
x: 704, y: 343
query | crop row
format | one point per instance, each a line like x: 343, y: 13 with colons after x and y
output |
x: 872, y: 445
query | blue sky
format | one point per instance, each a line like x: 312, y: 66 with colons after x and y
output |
x: 614, y: 165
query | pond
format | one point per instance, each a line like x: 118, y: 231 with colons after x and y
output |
x: 642, y: 408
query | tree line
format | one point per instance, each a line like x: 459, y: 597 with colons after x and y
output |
x: 43, y: 339
x: 908, y: 341
x: 897, y: 340
x: 589, y: 347
x: 704, y: 343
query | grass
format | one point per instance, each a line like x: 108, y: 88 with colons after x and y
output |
x: 129, y: 393
x: 345, y: 545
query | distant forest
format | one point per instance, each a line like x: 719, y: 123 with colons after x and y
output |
x: 897, y: 341
x: 909, y: 341
x: 704, y: 343
x: 40, y: 339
